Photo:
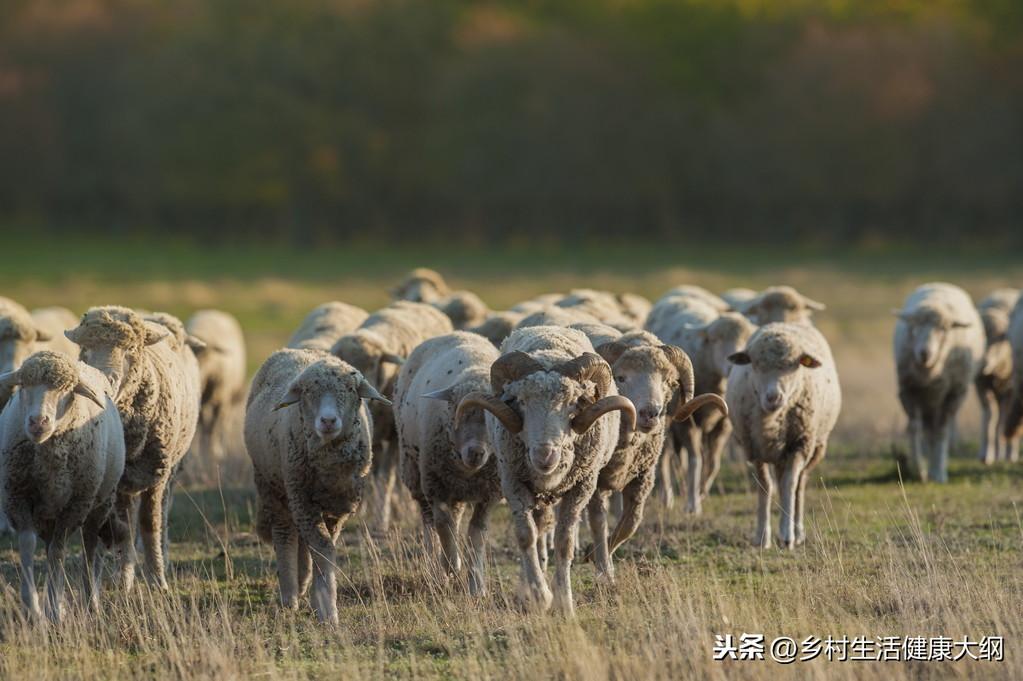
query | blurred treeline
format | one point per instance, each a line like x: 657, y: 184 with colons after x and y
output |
x: 313, y: 121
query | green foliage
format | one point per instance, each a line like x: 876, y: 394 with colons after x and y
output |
x: 311, y: 121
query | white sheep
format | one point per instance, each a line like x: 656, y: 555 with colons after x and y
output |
x: 421, y: 285
x: 498, y: 325
x: 446, y: 464
x: 155, y: 381
x: 994, y: 377
x: 553, y: 418
x: 322, y: 327
x: 53, y: 322
x: 606, y: 307
x: 784, y: 399
x: 737, y: 297
x: 1012, y: 426
x: 60, y: 461
x: 376, y: 349
x: 780, y: 304
x: 20, y: 336
x: 465, y: 309
x: 309, y: 436
x: 939, y: 343
x: 708, y: 336
x: 658, y: 379
x: 557, y: 316
x: 221, y: 377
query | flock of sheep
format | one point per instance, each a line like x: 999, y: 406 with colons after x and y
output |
x: 560, y: 405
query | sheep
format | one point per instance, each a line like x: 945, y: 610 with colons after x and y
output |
x: 60, y: 461
x: 708, y: 336
x: 376, y: 349
x: 658, y: 379
x: 154, y: 377
x: 557, y: 316
x: 938, y: 343
x: 464, y: 309
x: 635, y: 308
x: 598, y: 333
x: 693, y: 291
x: 783, y: 399
x: 549, y: 392
x: 326, y: 324
x: 447, y: 466
x: 780, y: 304
x: 538, y: 303
x: 421, y: 285
x: 994, y: 377
x: 498, y: 325
x: 737, y: 297
x: 1012, y: 426
x: 20, y: 336
x: 221, y: 376
x: 54, y: 321
x: 602, y: 305
x: 309, y: 436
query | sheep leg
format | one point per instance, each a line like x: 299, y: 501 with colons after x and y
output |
x: 597, y: 509
x: 91, y: 561
x: 665, y: 490
x: 791, y: 471
x: 917, y: 456
x: 534, y: 589
x: 56, y: 576
x: 615, y: 506
x: 478, y: 548
x: 285, y: 541
x: 765, y: 486
x: 818, y: 454
x: 938, y: 437
x: 694, y: 473
x: 305, y: 567
x: 544, y: 518
x: 430, y: 538
x: 634, y: 498
x: 713, y: 448
x: 151, y: 521
x: 384, y: 482
x: 27, y: 550
x: 569, y: 513
x: 126, y: 541
x: 320, y: 541
x: 445, y: 519
x: 989, y: 439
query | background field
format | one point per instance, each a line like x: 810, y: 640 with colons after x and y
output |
x: 882, y: 558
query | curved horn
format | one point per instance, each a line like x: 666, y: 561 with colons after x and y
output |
x: 687, y: 409
x: 588, y: 416
x: 508, y: 417
x: 686, y: 378
x: 611, y: 351
x: 588, y: 367
x: 511, y: 367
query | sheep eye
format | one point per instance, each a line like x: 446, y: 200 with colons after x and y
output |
x: 620, y: 379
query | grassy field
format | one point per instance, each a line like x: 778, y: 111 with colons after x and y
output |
x: 882, y: 558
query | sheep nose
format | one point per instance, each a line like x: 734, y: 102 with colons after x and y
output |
x: 38, y: 425
x: 328, y: 423
x: 774, y: 400
x: 473, y: 456
x: 546, y: 457
x: 648, y: 416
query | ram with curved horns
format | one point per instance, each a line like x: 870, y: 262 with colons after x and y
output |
x: 659, y: 381
x: 554, y: 417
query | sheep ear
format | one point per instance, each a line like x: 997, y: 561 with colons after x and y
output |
x: 9, y: 380
x: 43, y: 336
x: 444, y: 394
x: 813, y: 304
x: 368, y: 392
x: 291, y: 396
x: 392, y: 358
x: 809, y: 361
x: 73, y: 334
x: 87, y: 392
x: 197, y: 344
x: 154, y: 336
x: 739, y: 358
